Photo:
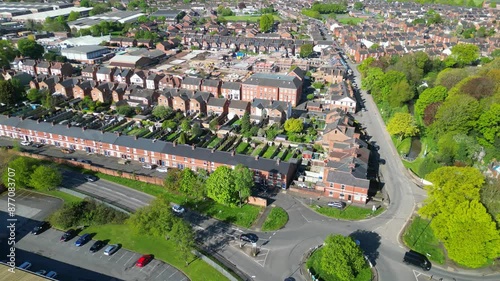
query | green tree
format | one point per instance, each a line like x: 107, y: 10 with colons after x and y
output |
x: 30, y: 48
x: 196, y: 129
x: 8, y: 94
x: 358, y: 6
x: 85, y: 3
x: 8, y: 53
x: 225, y: 12
x: 469, y: 234
x: 450, y: 77
x: 490, y: 197
x: 489, y: 123
x: 450, y: 187
x: 99, y: 9
x: 400, y: 93
x: 23, y: 168
x: 341, y: 257
x: 183, y: 235
x: 402, y: 125
x: 243, y: 182
x: 306, y: 50
x: 125, y: 110
x: 155, y: 219
x: 428, y: 96
x: 213, y: 125
x: 245, y: 123
x: 161, y: 112
x: 294, y: 125
x: 220, y: 186
x: 73, y: 15
x: 185, y: 125
x: 266, y: 22
x: 45, y: 178
x: 457, y: 114
x: 187, y: 181
x: 173, y: 179
x: 169, y: 124
x: 465, y: 54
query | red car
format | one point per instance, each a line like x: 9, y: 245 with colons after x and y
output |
x: 144, y: 260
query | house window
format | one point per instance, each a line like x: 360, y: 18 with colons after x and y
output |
x: 185, y: 159
x: 342, y: 187
x: 341, y: 195
x: 330, y: 193
x: 212, y: 164
x: 204, y: 163
x: 128, y: 149
x: 331, y: 184
x: 173, y: 157
x: 192, y: 160
x: 60, y: 137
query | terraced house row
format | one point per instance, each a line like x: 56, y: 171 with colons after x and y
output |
x: 168, y: 154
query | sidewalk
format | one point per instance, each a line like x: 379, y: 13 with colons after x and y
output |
x: 257, y: 226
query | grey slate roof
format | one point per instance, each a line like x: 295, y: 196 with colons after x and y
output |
x: 231, y: 85
x: 274, y: 80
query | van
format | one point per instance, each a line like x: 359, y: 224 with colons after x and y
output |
x: 417, y: 259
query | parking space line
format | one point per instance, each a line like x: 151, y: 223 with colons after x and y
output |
x: 175, y: 272
x: 121, y: 257
x: 161, y: 272
x: 129, y: 259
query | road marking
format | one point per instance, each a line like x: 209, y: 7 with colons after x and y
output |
x: 120, y: 258
x: 175, y: 272
x: 161, y: 273
x: 129, y: 259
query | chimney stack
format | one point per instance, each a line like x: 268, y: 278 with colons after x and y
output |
x: 118, y: 134
x: 53, y: 123
x: 69, y: 125
x: 135, y: 137
x: 102, y: 132
x: 38, y: 121
x: 193, y: 147
x: 233, y: 152
x: 213, y: 150
x: 174, y: 143
x: 278, y: 161
x: 256, y: 157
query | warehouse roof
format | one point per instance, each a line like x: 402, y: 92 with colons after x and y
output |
x: 84, y: 49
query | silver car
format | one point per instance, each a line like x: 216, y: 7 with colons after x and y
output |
x: 111, y: 249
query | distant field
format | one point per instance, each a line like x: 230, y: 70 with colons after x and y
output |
x: 346, y: 20
x: 248, y: 18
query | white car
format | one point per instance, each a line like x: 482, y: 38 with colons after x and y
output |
x: 26, y: 143
x: 162, y: 169
x: 148, y: 166
x: 111, y: 249
x: 178, y: 209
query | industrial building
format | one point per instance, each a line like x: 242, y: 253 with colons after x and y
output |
x: 86, y: 54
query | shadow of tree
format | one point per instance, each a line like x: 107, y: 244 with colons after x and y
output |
x: 369, y: 243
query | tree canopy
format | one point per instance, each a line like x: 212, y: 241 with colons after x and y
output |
x: 266, y: 22
x: 465, y: 54
x: 402, y: 125
x: 230, y: 187
x: 30, y: 48
x: 341, y: 257
x: 9, y: 95
x: 306, y: 50
x: 428, y: 96
x: 294, y: 125
x: 8, y: 53
x: 45, y: 178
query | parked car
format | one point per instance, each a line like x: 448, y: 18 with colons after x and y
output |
x: 417, y: 259
x: 26, y: 143
x: 67, y: 150
x: 25, y: 265
x: 41, y: 227
x: 96, y: 246
x: 162, y: 169
x: 111, y: 249
x: 68, y: 235
x: 123, y: 161
x: 41, y: 272
x: 91, y: 178
x: 144, y: 260
x: 85, y: 161
x: 37, y: 145
x: 83, y: 240
x: 51, y: 274
x: 178, y: 209
x: 148, y: 166
x: 249, y: 237
x: 337, y: 204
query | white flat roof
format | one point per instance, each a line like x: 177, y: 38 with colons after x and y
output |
x: 86, y: 40
x: 55, y: 13
x: 124, y: 59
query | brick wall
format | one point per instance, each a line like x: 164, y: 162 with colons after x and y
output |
x: 257, y: 201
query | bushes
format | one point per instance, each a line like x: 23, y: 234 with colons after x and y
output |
x: 87, y: 212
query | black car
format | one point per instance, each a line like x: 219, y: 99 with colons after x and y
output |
x: 37, y: 145
x: 97, y: 246
x: 417, y: 259
x: 85, y: 161
x: 68, y: 235
x: 249, y: 237
x: 41, y: 227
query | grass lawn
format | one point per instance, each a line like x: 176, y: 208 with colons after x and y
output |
x: 162, y: 249
x: 270, y: 151
x: 403, y: 146
x: 258, y: 150
x: 349, y: 213
x: 213, y: 143
x: 242, y: 148
x: 248, y: 18
x: 244, y: 216
x: 288, y: 156
x: 420, y: 231
x: 314, y: 264
x: 276, y: 219
x: 347, y: 20
x: 67, y: 198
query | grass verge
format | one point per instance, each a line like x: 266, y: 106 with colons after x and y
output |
x: 244, y: 216
x: 349, y: 213
x: 276, y: 219
x: 248, y: 18
x: 162, y: 249
x: 351, y: 20
x: 67, y: 198
x: 419, y: 237
x: 314, y: 264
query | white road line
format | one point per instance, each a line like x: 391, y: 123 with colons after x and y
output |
x: 129, y: 259
x: 161, y: 273
x: 175, y: 272
x: 120, y: 258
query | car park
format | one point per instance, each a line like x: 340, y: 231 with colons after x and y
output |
x: 96, y: 246
x: 51, y: 274
x: 25, y: 265
x: 249, y: 237
x: 68, y: 235
x: 337, y: 204
x: 111, y: 249
x: 162, y: 169
x: 83, y: 240
x: 144, y: 260
x: 178, y: 209
x: 41, y: 227
x: 26, y: 143
x: 91, y: 178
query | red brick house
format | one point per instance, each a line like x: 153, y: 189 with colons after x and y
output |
x: 212, y: 86
x: 217, y: 106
